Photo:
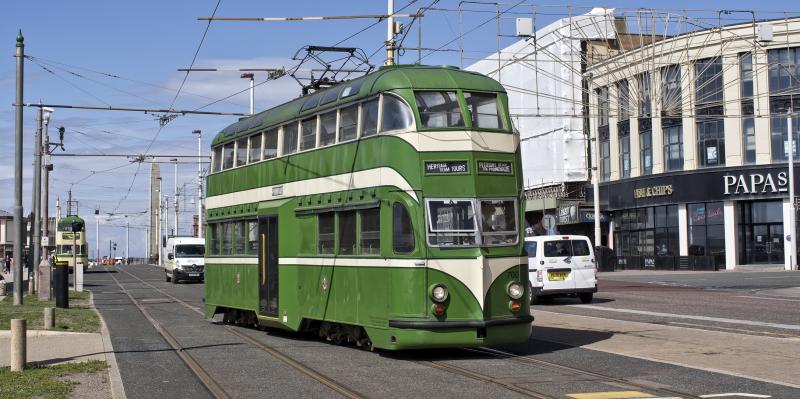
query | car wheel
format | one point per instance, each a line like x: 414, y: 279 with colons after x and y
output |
x: 167, y: 276
x: 586, y: 297
x: 174, y: 278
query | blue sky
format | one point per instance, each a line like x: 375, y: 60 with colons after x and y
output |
x: 145, y: 42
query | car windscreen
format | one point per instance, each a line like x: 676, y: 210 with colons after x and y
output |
x: 563, y: 248
x: 185, y: 251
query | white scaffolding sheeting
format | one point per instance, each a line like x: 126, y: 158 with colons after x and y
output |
x: 542, y: 76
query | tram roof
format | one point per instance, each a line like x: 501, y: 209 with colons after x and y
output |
x: 66, y: 221
x: 421, y: 77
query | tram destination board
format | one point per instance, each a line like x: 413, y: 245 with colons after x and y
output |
x: 446, y: 167
x: 495, y: 167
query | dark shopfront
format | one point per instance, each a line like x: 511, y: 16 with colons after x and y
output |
x: 652, y: 215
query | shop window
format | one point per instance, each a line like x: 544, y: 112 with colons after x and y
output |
x: 707, y: 231
x: 647, y: 231
x: 402, y: 230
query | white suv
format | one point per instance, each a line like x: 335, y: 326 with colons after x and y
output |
x: 561, y: 266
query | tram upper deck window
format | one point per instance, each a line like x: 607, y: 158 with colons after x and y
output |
x: 369, y: 118
x: 451, y: 223
x: 255, y: 148
x: 330, y: 95
x: 396, y: 114
x: 271, y: 144
x: 241, y: 151
x: 327, y: 128
x: 217, y: 162
x: 484, y: 110
x: 227, y: 156
x: 352, y: 89
x: 311, y: 102
x: 498, y: 222
x: 439, y: 109
x: 308, y: 133
x: 348, y: 123
x: 289, y: 138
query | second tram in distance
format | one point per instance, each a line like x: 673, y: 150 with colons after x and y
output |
x: 383, y: 211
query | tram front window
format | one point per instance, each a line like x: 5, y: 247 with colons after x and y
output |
x: 396, y: 114
x: 498, y: 222
x: 439, y: 109
x: 483, y: 109
x: 189, y: 251
x: 451, y: 223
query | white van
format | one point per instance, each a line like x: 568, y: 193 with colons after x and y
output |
x: 562, y: 265
x: 185, y: 259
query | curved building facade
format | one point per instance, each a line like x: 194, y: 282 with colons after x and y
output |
x: 691, y: 146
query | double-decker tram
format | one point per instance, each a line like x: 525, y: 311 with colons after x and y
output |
x: 383, y: 211
x: 67, y: 239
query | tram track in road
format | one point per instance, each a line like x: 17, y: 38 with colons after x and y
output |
x: 280, y: 356
x: 593, y: 376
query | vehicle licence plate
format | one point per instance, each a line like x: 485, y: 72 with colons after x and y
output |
x: 194, y: 274
x: 557, y: 276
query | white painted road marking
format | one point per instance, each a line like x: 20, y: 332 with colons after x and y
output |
x: 794, y: 327
x: 769, y: 298
x: 746, y: 395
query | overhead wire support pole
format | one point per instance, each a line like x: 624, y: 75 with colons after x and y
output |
x: 18, y: 225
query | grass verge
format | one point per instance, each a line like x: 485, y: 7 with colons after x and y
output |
x: 80, y: 317
x: 44, y: 381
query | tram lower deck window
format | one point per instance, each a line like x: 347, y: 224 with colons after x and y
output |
x: 451, y: 223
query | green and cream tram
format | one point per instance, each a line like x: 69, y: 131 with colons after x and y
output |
x: 383, y: 211
x: 66, y: 238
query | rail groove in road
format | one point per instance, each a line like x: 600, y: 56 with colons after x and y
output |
x: 484, y: 378
x: 208, y: 382
x: 295, y: 364
x: 600, y: 377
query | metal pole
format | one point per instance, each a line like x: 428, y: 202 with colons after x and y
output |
x: 97, y: 234
x: 792, y: 233
x: 127, y: 240
x: 175, y: 184
x: 36, y: 240
x: 45, y: 204
x: 390, y: 33
x: 75, y: 262
x: 18, y: 224
x: 595, y: 177
x: 252, y: 94
x: 199, y: 135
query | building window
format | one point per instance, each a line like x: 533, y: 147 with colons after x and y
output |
x: 649, y: 231
x: 623, y: 108
x: 605, y: 154
x: 671, y: 91
x: 645, y: 97
x: 707, y: 231
x: 625, y: 155
x: 645, y: 148
x: 709, y: 111
x: 602, y: 106
x: 748, y: 122
x: 784, y: 90
x: 673, y: 143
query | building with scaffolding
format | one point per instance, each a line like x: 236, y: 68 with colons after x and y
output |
x: 692, y: 145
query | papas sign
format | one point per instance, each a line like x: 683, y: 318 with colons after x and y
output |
x: 653, y: 191
x: 756, y: 183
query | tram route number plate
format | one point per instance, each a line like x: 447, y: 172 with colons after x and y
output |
x: 446, y: 167
x: 557, y: 276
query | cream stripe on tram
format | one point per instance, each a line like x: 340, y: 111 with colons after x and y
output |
x: 382, y: 176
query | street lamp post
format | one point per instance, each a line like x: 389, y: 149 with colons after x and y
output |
x: 175, y: 182
x: 199, y: 135
x: 250, y: 76
x: 18, y: 225
x: 792, y: 234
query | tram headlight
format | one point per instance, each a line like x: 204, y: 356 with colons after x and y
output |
x: 515, y: 290
x: 439, y: 293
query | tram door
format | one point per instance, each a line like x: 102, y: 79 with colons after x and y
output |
x: 268, y: 265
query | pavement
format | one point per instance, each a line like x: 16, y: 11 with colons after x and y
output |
x: 54, y: 347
